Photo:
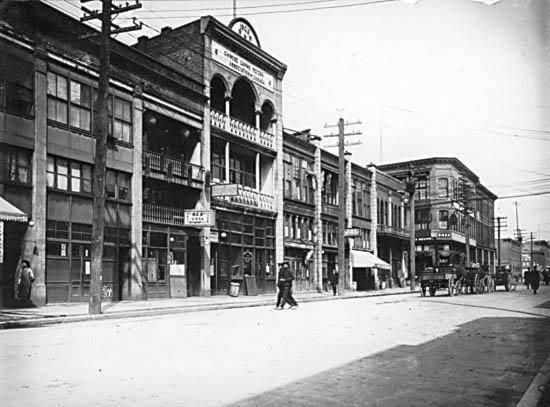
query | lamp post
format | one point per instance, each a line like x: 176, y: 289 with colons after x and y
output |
x: 410, y: 186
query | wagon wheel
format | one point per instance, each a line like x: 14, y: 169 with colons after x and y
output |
x: 450, y: 287
x: 432, y: 290
x: 422, y: 290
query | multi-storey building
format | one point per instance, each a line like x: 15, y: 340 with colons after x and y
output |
x: 311, y: 209
x: 510, y: 255
x: 452, y: 206
x: 48, y: 115
x: 243, y: 139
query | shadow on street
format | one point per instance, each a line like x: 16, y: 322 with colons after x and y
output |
x: 487, y: 362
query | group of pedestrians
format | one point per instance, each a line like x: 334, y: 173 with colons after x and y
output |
x: 533, y: 277
x: 284, y: 284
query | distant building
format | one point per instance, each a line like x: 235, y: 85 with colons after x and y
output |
x: 510, y: 255
x: 451, y: 206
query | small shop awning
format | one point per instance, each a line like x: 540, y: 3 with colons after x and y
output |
x: 367, y: 259
x: 10, y: 213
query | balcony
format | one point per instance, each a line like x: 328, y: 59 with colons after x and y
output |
x: 241, y: 129
x: 329, y: 209
x: 393, y: 231
x: 172, y: 169
x: 248, y: 197
x: 164, y: 215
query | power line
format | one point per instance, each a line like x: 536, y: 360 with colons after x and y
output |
x: 182, y: 10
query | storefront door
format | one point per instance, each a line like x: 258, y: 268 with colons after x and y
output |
x: 80, y: 271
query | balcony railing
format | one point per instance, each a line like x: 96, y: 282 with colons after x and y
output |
x: 329, y: 209
x: 393, y: 230
x: 164, y: 215
x: 241, y: 129
x: 172, y: 167
x: 251, y: 198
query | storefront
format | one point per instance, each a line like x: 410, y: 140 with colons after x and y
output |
x: 243, y: 245
x: 13, y: 224
x: 368, y: 271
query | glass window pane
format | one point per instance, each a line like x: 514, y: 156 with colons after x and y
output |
x: 75, y: 116
x: 85, y: 121
x: 52, y: 113
x: 75, y: 92
x: 51, y: 83
x: 61, y: 110
x: 61, y: 87
x: 62, y: 167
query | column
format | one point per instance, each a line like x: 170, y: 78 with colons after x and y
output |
x: 258, y: 113
x: 317, y: 221
x: 205, y: 288
x: 34, y: 241
x: 227, y: 155
x: 133, y: 286
x: 258, y: 179
x: 349, y: 219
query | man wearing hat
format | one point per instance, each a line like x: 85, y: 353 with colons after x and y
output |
x: 285, y: 286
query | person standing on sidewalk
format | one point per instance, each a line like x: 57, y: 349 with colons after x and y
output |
x: 23, y: 283
x: 287, y: 276
x: 535, y: 279
x: 280, y: 287
x: 334, y: 282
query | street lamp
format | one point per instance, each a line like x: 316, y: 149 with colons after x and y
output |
x: 410, y: 187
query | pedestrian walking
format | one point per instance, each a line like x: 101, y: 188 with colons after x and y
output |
x: 535, y: 279
x: 280, y: 287
x: 287, y: 276
x: 527, y: 277
x: 334, y: 282
x: 546, y: 276
x: 23, y: 283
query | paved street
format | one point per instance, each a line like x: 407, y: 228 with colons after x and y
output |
x: 475, y: 350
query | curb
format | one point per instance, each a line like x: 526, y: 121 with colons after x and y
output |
x: 535, y: 391
x: 177, y: 309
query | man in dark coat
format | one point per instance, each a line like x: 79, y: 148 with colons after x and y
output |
x: 286, y: 276
x: 334, y: 282
x: 535, y: 279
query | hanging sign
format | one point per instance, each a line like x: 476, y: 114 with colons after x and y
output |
x: 198, y: 218
x: 242, y: 66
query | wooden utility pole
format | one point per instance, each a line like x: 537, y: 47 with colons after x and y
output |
x: 101, y: 135
x: 410, y: 187
x: 342, y: 191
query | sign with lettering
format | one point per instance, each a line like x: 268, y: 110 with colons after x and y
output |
x: 352, y: 233
x: 242, y: 66
x: 1, y: 242
x: 225, y: 190
x: 198, y: 218
x: 245, y: 30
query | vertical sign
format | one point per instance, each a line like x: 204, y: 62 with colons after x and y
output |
x: 1, y: 242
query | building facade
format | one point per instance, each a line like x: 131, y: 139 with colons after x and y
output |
x: 453, y: 212
x: 510, y: 255
x: 48, y: 125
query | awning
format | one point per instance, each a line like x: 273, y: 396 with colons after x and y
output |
x: 10, y: 213
x: 367, y: 259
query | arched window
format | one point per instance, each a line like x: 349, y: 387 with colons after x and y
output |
x: 217, y: 94
x: 243, y: 102
x: 266, y: 117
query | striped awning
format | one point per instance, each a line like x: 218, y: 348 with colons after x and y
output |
x: 9, y: 213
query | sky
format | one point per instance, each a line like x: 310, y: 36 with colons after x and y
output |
x: 435, y: 78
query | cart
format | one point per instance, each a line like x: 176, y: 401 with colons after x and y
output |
x: 440, y: 278
x: 504, y: 277
x: 478, y: 280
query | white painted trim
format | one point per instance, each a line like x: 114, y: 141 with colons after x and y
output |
x: 21, y: 43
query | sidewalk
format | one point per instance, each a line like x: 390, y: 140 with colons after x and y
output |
x: 77, y: 312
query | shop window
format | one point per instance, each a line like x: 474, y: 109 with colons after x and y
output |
x: 57, y: 230
x: 15, y: 165
x: 81, y: 231
x: 19, y: 79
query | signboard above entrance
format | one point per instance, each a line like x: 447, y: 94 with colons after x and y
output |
x: 225, y: 190
x: 198, y: 218
x: 242, y: 66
